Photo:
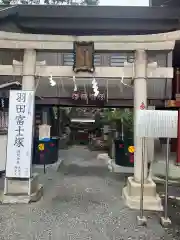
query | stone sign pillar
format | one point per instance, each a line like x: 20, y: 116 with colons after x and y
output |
x: 25, y: 190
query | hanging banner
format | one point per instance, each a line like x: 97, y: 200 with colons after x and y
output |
x: 97, y: 100
x: 90, y: 98
x: 20, y: 132
x: 79, y: 97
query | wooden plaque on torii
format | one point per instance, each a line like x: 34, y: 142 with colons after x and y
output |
x: 83, y: 57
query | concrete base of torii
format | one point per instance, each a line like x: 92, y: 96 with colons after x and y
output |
x: 132, y: 192
x: 21, y: 191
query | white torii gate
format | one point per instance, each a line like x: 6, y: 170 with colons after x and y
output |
x: 140, y: 71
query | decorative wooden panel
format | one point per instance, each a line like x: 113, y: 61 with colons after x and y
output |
x: 89, y: 98
x: 83, y: 57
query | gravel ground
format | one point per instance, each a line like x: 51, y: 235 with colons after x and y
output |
x: 82, y: 201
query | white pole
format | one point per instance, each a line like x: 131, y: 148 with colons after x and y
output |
x: 140, y: 103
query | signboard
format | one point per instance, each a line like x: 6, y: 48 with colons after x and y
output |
x: 131, y: 149
x: 83, y: 57
x: 44, y: 131
x: 156, y: 124
x: 41, y: 147
x: 20, y: 132
x: 106, y: 129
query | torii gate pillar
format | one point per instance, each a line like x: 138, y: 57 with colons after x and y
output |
x: 131, y: 193
x: 28, y: 189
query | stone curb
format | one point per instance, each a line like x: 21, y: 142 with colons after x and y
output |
x: 55, y: 166
x: 171, y: 178
x: 160, y: 180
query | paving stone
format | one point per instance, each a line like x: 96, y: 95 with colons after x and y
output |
x: 80, y: 203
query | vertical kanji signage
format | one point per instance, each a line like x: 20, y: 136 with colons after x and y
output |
x: 83, y: 57
x: 20, y: 129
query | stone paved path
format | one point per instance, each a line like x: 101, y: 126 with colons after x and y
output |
x: 81, y: 202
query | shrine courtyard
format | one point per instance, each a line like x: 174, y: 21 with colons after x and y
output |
x: 82, y: 200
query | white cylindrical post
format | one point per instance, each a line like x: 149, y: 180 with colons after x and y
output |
x: 132, y: 191
x: 140, y: 103
x: 29, y: 69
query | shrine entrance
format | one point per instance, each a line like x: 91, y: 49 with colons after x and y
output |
x: 133, y: 78
x: 136, y: 80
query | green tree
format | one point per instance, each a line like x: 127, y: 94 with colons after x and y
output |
x: 52, y: 2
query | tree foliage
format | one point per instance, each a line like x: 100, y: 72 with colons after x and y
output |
x: 118, y: 117
x: 52, y: 2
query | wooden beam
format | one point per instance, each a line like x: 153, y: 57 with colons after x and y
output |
x: 110, y: 103
x: 165, y: 41
x: 147, y: 38
x: 98, y: 46
x: 100, y: 72
x: 172, y: 104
